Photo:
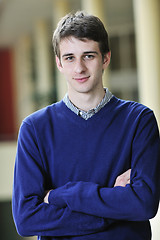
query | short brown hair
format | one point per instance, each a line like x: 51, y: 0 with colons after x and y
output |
x: 81, y: 25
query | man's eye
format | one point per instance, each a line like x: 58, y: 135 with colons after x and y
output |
x: 89, y: 56
x: 69, y: 59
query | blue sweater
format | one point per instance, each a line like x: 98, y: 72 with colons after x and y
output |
x: 80, y: 160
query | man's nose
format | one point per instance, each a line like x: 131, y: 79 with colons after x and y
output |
x: 80, y: 66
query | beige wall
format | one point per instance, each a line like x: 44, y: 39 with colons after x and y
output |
x: 7, y: 158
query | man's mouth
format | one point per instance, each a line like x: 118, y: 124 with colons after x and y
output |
x: 81, y: 79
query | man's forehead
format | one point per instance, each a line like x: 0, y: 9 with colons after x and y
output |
x: 71, y: 44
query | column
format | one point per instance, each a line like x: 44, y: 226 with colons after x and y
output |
x: 23, y: 78
x: 42, y: 49
x: 60, y: 9
x: 97, y: 8
x: 24, y: 91
x: 147, y: 28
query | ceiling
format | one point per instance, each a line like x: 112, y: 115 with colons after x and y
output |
x: 17, y: 17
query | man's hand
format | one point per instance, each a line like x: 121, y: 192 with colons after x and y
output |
x: 46, y: 196
x: 123, y: 179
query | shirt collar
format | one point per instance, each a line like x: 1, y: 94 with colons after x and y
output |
x: 86, y: 115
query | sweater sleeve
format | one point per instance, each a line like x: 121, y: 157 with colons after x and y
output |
x: 31, y: 215
x: 138, y: 201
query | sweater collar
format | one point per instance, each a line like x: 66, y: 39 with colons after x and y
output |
x: 86, y: 115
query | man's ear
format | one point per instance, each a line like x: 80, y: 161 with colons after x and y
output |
x: 59, y: 65
x: 106, y: 60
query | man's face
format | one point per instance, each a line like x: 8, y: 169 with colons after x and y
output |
x: 82, y: 64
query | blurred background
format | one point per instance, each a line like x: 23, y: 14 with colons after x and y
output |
x: 29, y: 79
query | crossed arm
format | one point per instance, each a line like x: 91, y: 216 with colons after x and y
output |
x: 77, y: 203
x: 122, y: 180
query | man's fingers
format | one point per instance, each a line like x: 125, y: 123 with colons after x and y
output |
x: 47, y: 196
x: 123, y: 179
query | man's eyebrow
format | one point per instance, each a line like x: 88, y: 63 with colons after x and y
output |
x: 67, y: 55
x: 86, y: 52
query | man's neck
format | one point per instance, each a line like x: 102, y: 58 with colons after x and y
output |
x: 86, y: 101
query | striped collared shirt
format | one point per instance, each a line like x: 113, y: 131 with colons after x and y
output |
x: 90, y: 113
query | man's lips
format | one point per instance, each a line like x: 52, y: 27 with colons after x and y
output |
x: 81, y: 79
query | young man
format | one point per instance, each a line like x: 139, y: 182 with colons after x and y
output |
x: 72, y: 173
